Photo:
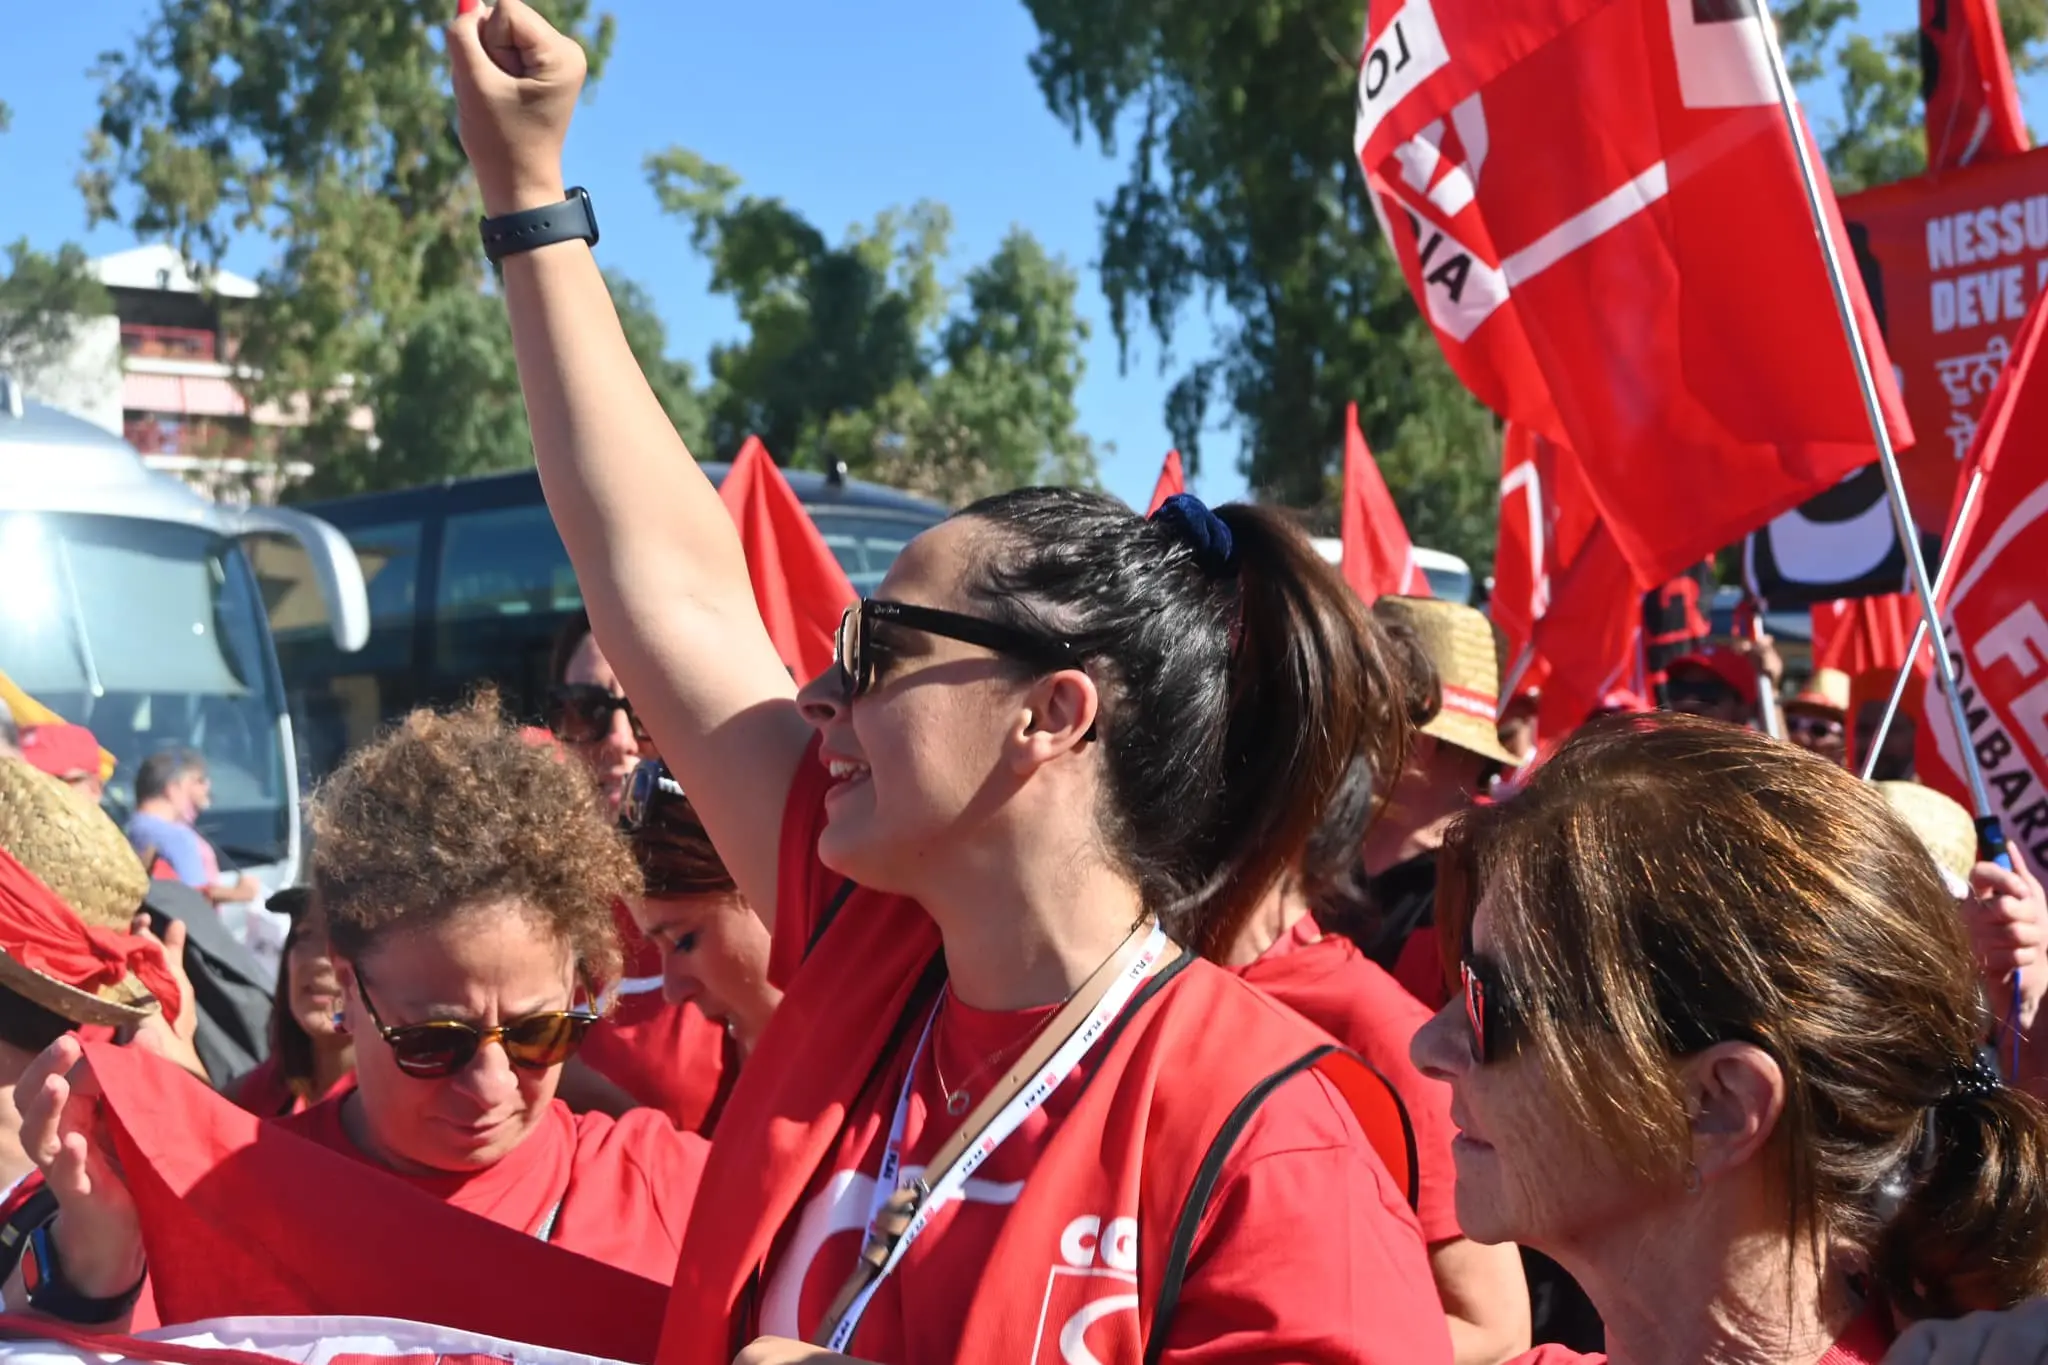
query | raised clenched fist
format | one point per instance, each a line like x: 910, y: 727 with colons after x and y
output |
x: 516, y: 84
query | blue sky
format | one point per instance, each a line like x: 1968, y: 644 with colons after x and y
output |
x: 839, y: 109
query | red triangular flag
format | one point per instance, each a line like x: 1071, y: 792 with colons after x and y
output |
x: 1171, y: 481
x: 798, y: 584
x: 241, y: 1217
x: 1973, y: 105
x: 1378, y: 557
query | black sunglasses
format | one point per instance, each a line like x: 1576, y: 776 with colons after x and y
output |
x: 581, y: 713
x: 1813, y: 727
x: 1489, y: 1010
x: 647, y: 790
x: 854, y: 647
x: 442, y: 1047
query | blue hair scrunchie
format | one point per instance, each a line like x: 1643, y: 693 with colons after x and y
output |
x: 1188, y: 517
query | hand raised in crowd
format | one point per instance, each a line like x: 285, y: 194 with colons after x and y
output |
x: 173, y: 1041
x: 2018, y: 1336
x: 517, y: 79
x: 2007, y: 917
x: 98, y: 1231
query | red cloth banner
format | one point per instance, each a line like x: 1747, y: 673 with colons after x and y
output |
x: 1952, y: 265
x: 1172, y: 480
x: 798, y: 584
x: 1996, y: 614
x: 1379, y: 559
x: 42, y: 933
x: 276, y: 1341
x: 1599, y: 207
x: 1973, y: 105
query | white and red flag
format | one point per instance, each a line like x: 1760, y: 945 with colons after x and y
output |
x: 273, y: 1341
x: 1379, y: 558
x: 1598, y: 205
x: 1996, y: 611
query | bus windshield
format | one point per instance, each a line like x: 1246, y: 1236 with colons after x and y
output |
x: 152, y: 634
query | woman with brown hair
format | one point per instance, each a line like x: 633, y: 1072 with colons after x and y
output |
x: 998, y: 1103
x: 312, y: 1058
x: 466, y: 878
x: 1717, y: 1053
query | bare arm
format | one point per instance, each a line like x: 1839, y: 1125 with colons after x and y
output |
x: 1485, y: 1298
x: 656, y: 554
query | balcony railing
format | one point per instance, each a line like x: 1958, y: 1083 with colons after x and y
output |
x: 169, y: 343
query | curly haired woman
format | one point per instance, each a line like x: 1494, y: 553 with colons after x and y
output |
x: 467, y: 879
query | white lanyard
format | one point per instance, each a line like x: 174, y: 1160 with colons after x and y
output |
x: 947, y: 1188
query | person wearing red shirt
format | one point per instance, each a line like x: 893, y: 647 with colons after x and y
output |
x: 1717, y: 1053
x: 465, y: 877
x: 977, y: 838
x: 1326, y: 979
x: 311, y: 1057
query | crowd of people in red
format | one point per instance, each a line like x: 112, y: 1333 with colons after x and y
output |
x: 1132, y: 947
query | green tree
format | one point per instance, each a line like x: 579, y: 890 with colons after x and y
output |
x: 449, y: 403
x: 851, y: 355
x: 326, y: 131
x: 43, y: 298
x: 1241, y: 195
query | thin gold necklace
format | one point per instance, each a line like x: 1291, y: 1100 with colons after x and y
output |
x: 957, y: 1097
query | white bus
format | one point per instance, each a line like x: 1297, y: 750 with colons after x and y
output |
x: 131, y: 605
x: 1450, y: 578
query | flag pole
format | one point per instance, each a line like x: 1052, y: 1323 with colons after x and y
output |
x: 1950, y: 556
x: 1991, y: 838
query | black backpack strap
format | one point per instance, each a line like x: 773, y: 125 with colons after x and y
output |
x: 1204, y: 1188
x: 828, y: 914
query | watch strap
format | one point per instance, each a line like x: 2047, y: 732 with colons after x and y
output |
x: 508, y: 234
x: 42, y: 1274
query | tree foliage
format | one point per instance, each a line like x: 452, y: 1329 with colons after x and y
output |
x: 1240, y: 195
x: 43, y: 299
x: 327, y: 130
x: 449, y: 405
x: 850, y: 353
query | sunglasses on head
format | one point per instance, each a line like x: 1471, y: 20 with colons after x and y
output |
x: 649, y: 788
x: 581, y: 713
x: 442, y: 1047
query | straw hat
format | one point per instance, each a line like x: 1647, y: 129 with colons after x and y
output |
x: 72, y: 848
x: 1827, y: 690
x: 1460, y: 642
x: 1945, y: 827
x: 114, y: 1006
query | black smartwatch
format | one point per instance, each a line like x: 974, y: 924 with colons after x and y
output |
x: 51, y: 1294
x: 511, y: 233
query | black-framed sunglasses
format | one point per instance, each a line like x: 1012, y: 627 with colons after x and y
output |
x: 853, y: 649
x: 1489, y: 1010
x: 581, y: 713
x: 650, y: 786
x: 441, y: 1047
x: 1813, y: 727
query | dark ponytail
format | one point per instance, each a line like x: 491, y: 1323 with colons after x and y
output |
x: 1972, y: 1231
x: 1241, y: 678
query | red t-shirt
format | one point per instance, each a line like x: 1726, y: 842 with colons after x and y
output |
x: 1864, y: 1343
x: 1264, y: 1279
x: 620, y: 1188
x: 265, y: 1093
x: 1328, y: 981
x: 1420, y: 968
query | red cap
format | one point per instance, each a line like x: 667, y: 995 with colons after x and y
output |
x: 61, y: 750
x: 1724, y: 663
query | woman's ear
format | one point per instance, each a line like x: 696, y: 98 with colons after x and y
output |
x: 1735, y: 1093
x: 1059, y: 717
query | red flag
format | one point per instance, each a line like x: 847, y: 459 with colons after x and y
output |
x: 1561, y: 594
x: 1860, y: 634
x: 1379, y: 559
x: 798, y: 584
x: 1973, y: 106
x: 1171, y: 481
x: 276, y: 1341
x: 1996, y: 613
x: 1599, y: 207
x: 240, y: 1216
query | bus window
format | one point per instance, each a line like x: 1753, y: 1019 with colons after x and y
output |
x: 505, y: 586
x: 865, y: 542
